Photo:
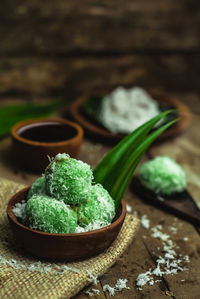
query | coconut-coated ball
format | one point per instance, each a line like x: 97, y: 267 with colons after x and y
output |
x: 38, y: 187
x: 50, y: 215
x: 163, y: 175
x: 68, y: 179
x: 99, y: 208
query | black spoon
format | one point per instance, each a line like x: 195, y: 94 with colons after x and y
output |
x: 182, y: 204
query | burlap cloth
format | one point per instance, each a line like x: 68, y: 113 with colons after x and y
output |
x: 22, y: 276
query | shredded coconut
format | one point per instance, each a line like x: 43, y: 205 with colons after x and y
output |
x: 92, y: 278
x: 38, y: 266
x: 124, y: 110
x: 170, y: 263
x: 119, y: 286
x: 128, y: 208
x: 91, y: 292
x: 145, y: 222
x: 19, y: 210
x: 110, y: 290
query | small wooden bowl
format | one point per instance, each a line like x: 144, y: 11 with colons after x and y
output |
x: 46, y: 137
x: 96, y: 130
x: 68, y: 247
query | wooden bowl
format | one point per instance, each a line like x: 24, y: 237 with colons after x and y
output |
x: 97, y: 130
x: 68, y: 247
x: 34, y: 140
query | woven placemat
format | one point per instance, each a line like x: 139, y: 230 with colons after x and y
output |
x: 23, y: 276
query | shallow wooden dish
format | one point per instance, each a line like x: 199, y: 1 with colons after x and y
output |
x: 33, y: 154
x: 67, y: 247
x: 97, y: 130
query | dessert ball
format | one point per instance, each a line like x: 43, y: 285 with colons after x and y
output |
x: 68, y: 179
x: 99, y: 208
x: 50, y: 215
x: 163, y: 175
x: 38, y: 187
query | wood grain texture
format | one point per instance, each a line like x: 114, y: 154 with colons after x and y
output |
x: 92, y: 26
x: 73, y: 76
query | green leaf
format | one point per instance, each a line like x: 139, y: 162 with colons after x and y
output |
x: 92, y: 107
x: 115, y: 170
x: 10, y: 115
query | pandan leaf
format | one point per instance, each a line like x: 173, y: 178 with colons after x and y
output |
x: 11, y: 114
x: 92, y: 106
x: 115, y: 170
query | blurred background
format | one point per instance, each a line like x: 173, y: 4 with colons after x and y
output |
x: 63, y: 49
x: 54, y: 51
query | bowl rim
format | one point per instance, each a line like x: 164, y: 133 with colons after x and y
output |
x: 185, y: 116
x: 17, y: 126
x: 13, y: 218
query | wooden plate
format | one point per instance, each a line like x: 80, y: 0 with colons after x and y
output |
x: 97, y: 130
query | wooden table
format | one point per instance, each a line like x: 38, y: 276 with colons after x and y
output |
x: 145, y: 249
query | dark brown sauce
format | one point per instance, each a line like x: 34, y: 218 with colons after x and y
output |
x: 47, y: 132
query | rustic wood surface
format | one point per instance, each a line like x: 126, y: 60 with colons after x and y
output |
x: 144, y: 250
x: 63, y: 49
x: 67, y: 48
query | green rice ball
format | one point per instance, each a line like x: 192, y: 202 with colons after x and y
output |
x: 49, y: 215
x: 38, y: 187
x: 99, y: 208
x: 68, y: 179
x: 163, y: 175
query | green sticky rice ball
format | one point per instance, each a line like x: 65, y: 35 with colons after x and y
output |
x: 163, y: 175
x: 50, y: 215
x: 99, y: 208
x: 68, y: 179
x: 38, y: 187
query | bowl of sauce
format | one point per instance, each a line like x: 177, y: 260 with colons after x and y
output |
x: 34, y: 140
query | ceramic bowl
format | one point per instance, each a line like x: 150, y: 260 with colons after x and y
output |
x: 69, y: 247
x: 34, y: 140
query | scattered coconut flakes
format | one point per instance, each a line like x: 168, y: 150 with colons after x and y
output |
x: 170, y: 263
x: 119, y: 286
x: 173, y: 229
x: 158, y: 234
x: 91, y: 292
x: 145, y: 222
x: 92, y: 278
x: 182, y: 280
x: 186, y: 259
x: 143, y: 278
x: 185, y: 239
x: 128, y: 208
x: 110, y: 290
x: 38, y: 266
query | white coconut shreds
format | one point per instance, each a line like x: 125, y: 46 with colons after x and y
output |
x: 145, y: 222
x: 169, y: 263
x: 124, y: 110
x: 128, y: 208
x: 119, y: 286
x: 38, y: 266
x: 19, y: 210
x: 92, y: 278
x: 91, y: 292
